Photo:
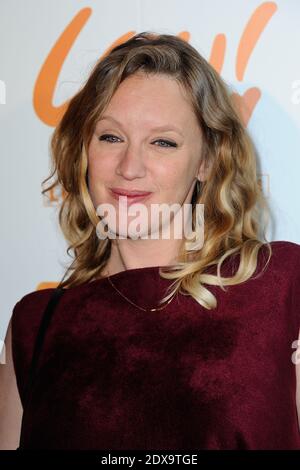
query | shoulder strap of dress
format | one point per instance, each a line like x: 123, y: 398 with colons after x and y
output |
x: 49, y: 310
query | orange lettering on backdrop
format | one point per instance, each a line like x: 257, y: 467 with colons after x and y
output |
x: 246, y: 103
x: 251, y: 35
x: 46, y: 285
x: 48, y: 76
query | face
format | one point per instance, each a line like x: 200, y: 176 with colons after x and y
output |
x: 148, y: 139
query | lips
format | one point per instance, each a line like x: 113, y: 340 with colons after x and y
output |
x: 132, y: 196
x: 124, y: 192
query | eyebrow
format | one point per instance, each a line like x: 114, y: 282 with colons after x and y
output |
x: 159, y: 128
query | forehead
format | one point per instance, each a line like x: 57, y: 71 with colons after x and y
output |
x: 151, y: 101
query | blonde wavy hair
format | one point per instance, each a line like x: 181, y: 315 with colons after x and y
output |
x: 235, y: 208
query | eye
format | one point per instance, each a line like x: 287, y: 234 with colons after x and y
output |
x: 105, y: 136
x: 169, y: 144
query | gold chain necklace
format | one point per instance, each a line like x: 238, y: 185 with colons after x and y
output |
x: 130, y: 301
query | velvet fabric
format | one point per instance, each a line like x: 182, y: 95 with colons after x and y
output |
x: 111, y: 376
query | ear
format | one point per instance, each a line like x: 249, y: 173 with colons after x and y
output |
x: 203, y: 170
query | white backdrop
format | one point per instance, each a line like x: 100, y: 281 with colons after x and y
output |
x: 33, y: 250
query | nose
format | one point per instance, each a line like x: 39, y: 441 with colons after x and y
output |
x: 131, y: 164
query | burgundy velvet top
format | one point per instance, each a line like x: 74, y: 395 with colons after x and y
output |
x: 111, y: 376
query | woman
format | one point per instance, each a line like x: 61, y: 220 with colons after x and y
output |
x: 128, y: 359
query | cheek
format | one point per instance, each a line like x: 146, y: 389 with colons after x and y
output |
x: 100, y: 166
x: 172, y: 178
x: 98, y: 173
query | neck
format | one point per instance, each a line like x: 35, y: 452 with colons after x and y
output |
x: 131, y: 254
